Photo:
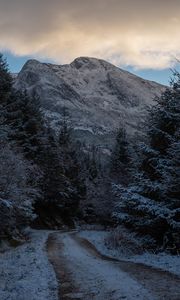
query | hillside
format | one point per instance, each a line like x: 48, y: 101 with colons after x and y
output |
x: 98, y: 95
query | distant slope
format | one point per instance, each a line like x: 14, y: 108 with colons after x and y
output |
x: 98, y: 95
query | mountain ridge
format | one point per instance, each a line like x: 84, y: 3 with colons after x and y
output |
x: 99, y: 96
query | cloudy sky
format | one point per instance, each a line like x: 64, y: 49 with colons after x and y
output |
x: 139, y: 35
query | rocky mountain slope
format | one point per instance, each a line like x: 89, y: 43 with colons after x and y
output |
x: 98, y: 95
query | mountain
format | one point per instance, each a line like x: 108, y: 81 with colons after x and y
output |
x: 98, y: 95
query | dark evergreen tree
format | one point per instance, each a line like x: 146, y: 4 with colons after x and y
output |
x: 5, y: 80
x: 172, y: 174
x: 23, y: 116
x: 62, y: 183
x: 65, y: 134
x: 51, y: 207
x: 69, y: 160
x: 92, y: 168
x: 120, y: 158
x: 5, y: 91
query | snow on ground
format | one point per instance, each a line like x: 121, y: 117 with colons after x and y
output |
x: 26, y: 273
x: 161, y: 260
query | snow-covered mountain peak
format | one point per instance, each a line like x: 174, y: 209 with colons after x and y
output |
x: 98, y: 95
x: 31, y: 63
x: 90, y: 63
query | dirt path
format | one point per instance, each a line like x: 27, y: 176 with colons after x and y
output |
x: 85, y: 274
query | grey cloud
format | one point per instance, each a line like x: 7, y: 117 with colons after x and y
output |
x: 143, y: 33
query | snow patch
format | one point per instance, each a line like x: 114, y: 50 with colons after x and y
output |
x: 161, y: 260
x: 26, y: 272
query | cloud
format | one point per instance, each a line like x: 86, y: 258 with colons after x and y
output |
x: 140, y: 33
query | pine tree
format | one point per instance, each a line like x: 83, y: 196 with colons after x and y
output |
x: 52, y: 169
x: 5, y: 91
x: 18, y: 176
x: 62, y: 182
x: 65, y: 134
x: 120, y: 158
x: 163, y: 133
x: 151, y: 203
x: 69, y: 160
x: 5, y: 80
x: 23, y: 116
x: 93, y: 170
x: 50, y: 208
x: 171, y: 175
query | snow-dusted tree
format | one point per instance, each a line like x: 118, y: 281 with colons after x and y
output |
x: 172, y: 174
x: 163, y: 133
x: 18, y: 189
x: 18, y: 176
x: 151, y: 203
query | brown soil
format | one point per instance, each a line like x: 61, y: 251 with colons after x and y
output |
x: 64, y: 277
x: 162, y: 284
